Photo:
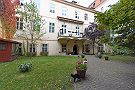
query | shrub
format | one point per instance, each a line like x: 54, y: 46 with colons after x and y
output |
x: 106, y: 57
x: 99, y: 55
x: 44, y: 53
x: 25, y: 67
x: 33, y: 54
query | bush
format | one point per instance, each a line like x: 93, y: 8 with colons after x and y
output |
x: 44, y: 53
x: 106, y: 57
x: 33, y: 54
x: 99, y: 55
x: 25, y: 67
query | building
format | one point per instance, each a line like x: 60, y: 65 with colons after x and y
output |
x: 64, y: 27
x: 102, y: 5
x: 9, y: 50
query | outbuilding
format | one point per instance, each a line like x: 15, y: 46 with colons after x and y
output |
x: 9, y: 50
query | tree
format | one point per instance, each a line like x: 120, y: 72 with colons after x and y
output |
x: 32, y: 25
x: 120, y: 20
x: 92, y: 33
x: 7, y: 14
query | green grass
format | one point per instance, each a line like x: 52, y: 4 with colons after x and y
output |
x: 122, y: 58
x: 48, y: 73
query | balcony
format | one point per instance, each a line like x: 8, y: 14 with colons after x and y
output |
x: 70, y: 34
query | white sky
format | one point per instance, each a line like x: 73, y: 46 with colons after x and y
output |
x: 85, y: 3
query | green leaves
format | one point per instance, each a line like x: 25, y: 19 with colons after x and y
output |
x: 120, y: 19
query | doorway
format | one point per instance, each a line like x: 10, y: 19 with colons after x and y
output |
x: 75, y: 52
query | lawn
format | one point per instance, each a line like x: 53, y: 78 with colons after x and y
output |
x: 122, y: 58
x: 48, y: 73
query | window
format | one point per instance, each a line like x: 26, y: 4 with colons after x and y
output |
x: 85, y: 16
x: 44, y: 48
x: 76, y: 15
x: 34, y: 48
x: 15, y: 48
x: 2, y: 46
x: 64, y: 11
x: 63, y: 48
x: 64, y: 28
x: 51, y: 27
x: 102, y: 9
x: 77, y: 31
x: 52, y: 8
x: 19, y: 23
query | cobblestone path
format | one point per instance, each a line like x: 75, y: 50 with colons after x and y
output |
x: 107, y: 75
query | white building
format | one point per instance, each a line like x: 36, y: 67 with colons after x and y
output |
x: 64, y: 27
x: 102, y: 5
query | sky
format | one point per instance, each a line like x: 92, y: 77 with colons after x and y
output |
x: 83, y: 2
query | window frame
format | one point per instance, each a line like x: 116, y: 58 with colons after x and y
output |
x: 52, y: 8
x: 64, y: 48
x: 77, y: 15
x: 86, y: 16
x: 19, y: 23
x: 44, y: 48
x: 2, y: 47
x: 51, y: 27
x: 64, y: 11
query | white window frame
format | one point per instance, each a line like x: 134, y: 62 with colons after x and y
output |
x: 76, y: 14
x: 19, y: 23
x: 51, y: 27
x: 34, y: 48
x: 64, y: 11
x: 85, y: 16
x: 44, y: 48
x: 64, y: 28
x: 77, y: 30
x: 52, y: 8
x: 64, y: 48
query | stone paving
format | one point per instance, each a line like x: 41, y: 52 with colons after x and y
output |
x: 107, y: 75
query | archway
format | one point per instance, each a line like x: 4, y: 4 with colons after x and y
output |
x: 75, y: 50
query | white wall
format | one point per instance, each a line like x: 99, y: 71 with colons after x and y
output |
x: 52, y: 17
x: 105, y: 5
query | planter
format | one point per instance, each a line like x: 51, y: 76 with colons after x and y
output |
x: 82, y: 73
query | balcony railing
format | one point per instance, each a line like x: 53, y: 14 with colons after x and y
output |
x: 62, y: 33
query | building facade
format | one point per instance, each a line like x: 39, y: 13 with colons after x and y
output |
x: 65, y: 23
x: 102, y: 5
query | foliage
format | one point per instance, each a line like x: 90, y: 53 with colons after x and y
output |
x: 25, y: 67
x: 48, y: 73
x: 31, y: 54
x: 33, y: 25
x: 92, y: 33
x: 44, y: 53
x: 120, y: 21
x: 80, y: 64
x: 106, y: 57
x: 7, y: 14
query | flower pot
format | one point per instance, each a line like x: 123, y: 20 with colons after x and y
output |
x: 82, y: 73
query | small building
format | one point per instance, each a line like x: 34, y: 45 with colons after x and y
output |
x: 9, y: 50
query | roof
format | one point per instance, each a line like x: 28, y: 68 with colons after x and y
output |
x: 11, y: 41
x: 96, y: 3
x: 75, y: 5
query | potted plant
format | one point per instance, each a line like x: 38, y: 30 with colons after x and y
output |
x: 106, y: 57
x: 81, y: 68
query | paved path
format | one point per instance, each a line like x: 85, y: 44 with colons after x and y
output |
x: 107, y: 75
